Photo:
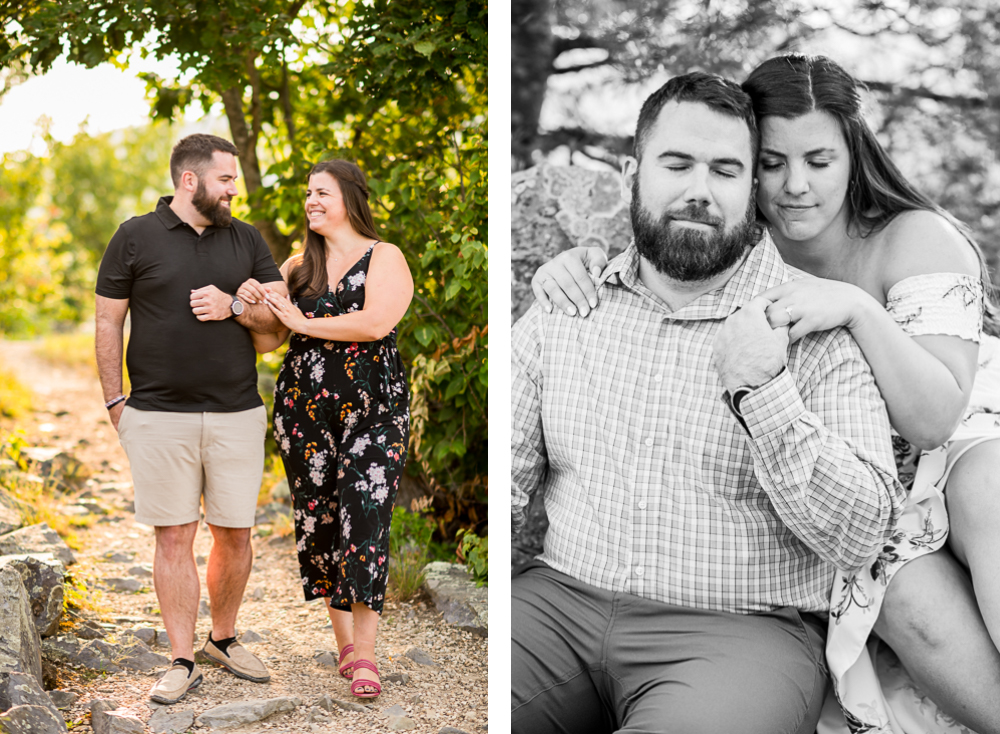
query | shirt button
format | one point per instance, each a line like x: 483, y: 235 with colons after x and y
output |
x: 638, y: 571
x: 642, y: 505
x: 658, y: 378
x: 649, y: 442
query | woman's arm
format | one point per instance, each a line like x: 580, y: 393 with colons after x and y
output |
x: 388, y: 291
x: 925, y: 381
x: 254, y: 292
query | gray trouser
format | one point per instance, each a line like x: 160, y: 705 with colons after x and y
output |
x: 587, y: 660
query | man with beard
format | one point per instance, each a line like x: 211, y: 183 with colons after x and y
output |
x: 194, y: 424
x: 703, y: 478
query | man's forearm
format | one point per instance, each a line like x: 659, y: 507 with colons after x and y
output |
x: 109, y: 344
x: 258, y: 317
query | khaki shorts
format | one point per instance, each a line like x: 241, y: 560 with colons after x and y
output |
x: 176, y: 458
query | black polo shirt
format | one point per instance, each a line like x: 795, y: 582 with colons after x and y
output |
x: 175, y: 362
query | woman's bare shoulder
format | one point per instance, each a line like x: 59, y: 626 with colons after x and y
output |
x: 291, y: 263
x: 921, y: 242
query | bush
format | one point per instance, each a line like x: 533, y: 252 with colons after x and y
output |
x: 473, y: 551
x: 409, y: 543
x: 15, y: 398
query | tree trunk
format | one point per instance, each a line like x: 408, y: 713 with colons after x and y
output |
x: 532, y: 46
x: 279, y: 244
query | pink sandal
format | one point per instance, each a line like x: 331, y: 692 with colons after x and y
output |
x: 358, y: 685
x: 347, y: 669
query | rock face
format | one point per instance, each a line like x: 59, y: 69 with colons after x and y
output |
x: 31, y: 720
x: 103, y: 656
x: 23, y: 689
x: 246, y: 712
x: 457, y: 597
x: 38, y: 538
x: 170, y: 720
x: 19, y: 643
x: 555, y: 208
x: 43, y: 576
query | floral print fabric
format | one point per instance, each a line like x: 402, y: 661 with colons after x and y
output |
x: 936, y: 303
x: 341, y: 421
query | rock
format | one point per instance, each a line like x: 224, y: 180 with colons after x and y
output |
x: 420, y: 657
x: 31, y: 720
x: 348, y: 705
x: 249, y: 636
x: 20, y: 648
x: 10, y: 517
x: 99, y: 709
x: 39, y: 538
x: 63, y: 699
x: 245, y: 712
x: 401, y: 723
x: 170, y: 720
x: 325, y: 702
x: 123, y: 585
x: 200, y: 560
x: 451, y: 730
x: 43, y: 576
x: 67, y: 471
x: 119, y: 721
x: 146, y: 634
x: 95, y: 655
x: 203, y: 609
x: 316, y: 715
x: 394, y: 710
x: 556, y: 208
x: 118, y: 557
x: 326, y: 659
x: 136, y: 656
x: 142, y: 571
x: 416, y: 700
x: 258, y: 594
x: 23, y: 689
x: 90, y: 631
x: 400, y: 678
x: 457, y: 597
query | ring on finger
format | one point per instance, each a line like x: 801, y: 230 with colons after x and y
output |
x: 788, y: 310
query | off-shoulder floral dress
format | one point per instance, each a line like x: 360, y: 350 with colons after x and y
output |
x: 874, y: 691
x: 342, y: 421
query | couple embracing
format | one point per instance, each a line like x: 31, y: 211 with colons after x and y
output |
x: 205, y: 295
x: 747, y: 426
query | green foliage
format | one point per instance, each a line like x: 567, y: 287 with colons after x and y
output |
x: 473, y: 551
x: 15, y: 398
x: 409, y: 541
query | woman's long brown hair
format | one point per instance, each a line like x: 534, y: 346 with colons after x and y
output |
x: 310, y: 277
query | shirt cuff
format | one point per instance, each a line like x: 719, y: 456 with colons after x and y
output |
x: 769, y: 407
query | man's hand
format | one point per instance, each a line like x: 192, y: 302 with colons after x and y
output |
x: 211, y: 304
x: 748, y: 352
x: 115, y: 413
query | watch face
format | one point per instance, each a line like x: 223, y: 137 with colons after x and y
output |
x: 237, y: 307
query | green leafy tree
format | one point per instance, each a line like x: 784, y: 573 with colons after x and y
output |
x: 398, y: 87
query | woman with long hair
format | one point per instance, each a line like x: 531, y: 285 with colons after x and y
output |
x: 910, y: 284
x: 341, y: 406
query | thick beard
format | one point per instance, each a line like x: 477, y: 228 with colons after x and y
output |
x: 213, y: 211
x: 685, y: 254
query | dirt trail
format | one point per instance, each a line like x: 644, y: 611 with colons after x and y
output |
x: 68, y: 413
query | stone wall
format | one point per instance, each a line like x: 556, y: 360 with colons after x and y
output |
x: 553, y: 209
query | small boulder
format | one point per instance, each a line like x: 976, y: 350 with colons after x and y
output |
x: 119, y: 721
x: 349, y: 706
x: 326, y: 659
x: 245, y: 712
x: 141, y: 571
x: 23, y: 689
x: 394, y: 710
x: 123, y: 585
x: 420, y: 657
x: 170, y: 720
x: 19, y: 643
x: 118, y: 556
x: 456, y: 596
x: 31, y: 720
x: 401, y: 723
x: 400, y: 678
x: 38, y: 538
x: 63, y: 699
x: 146, y: 634
x: 43, y: 576
x: 250, y: 637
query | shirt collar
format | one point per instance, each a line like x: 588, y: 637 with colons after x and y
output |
x: 763, y: 268
x: 167, y: 215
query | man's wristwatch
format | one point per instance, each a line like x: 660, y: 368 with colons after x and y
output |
x: 237, y: 306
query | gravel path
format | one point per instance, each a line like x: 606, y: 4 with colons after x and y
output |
x: 69, y: 414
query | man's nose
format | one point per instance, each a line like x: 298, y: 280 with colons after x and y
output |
x: 697, y: 187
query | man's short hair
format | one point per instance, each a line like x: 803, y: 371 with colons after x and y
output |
x: 711, y: 90
x: 194, y: 153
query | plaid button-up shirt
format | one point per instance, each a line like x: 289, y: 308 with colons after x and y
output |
x: 652, y: 486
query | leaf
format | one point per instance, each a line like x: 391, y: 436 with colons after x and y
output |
x: 424, y: 334
x: 425, y: 47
